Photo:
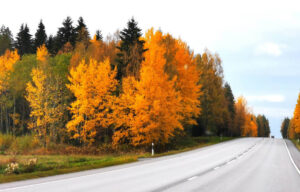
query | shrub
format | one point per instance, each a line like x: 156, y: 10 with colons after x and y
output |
x: 30, y: 165
x: 12, y: 168
x: 5, y: 141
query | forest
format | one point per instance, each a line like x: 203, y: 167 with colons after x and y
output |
x: 81, y: 89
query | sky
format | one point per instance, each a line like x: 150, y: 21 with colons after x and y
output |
x: 258, y: 41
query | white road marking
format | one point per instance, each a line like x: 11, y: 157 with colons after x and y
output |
x: 191, y: 178
x: 291, y: 158
x: 216, y: 168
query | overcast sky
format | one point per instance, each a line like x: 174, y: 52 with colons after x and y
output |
x: 258, y: 41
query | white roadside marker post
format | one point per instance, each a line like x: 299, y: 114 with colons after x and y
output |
x: 152, y: 149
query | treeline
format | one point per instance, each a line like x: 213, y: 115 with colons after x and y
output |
x: 126, y: 89
x: 290, y: 128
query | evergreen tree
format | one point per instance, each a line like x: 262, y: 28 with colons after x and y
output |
x: 65, y: 34
x: 40, y: 36
x: 284, y: 127
x: 263, y: 127
x: 99, y: 36
x: 6, y: 39
x: 230, y: 105
x: 131, y: 51
x: 82, y: 33
x: 50, y: 44
x: 24, y: 42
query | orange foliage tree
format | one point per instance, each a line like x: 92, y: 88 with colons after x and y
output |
x: 93, y: 85
x: 245, y: 122
x: 296, y: 118
x: 151, y: 109
x: 6, y: 64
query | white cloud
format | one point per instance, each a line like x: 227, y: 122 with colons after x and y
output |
x: 269, y: 48
x: 266, y: 98
x: 273, y: 112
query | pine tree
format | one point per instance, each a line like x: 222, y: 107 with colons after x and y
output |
x: 99, y: 36
x: 81, y: 32
x: 131, y: 51
x: 230, y: 108
x: 24, y: 43
x: 65, y: 34
x: 40, y: 36
x: 284, y: 127
x: 6, y: 39
x: 50, y: 44
x: 230, y: 99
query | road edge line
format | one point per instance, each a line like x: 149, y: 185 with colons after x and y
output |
x: 291, y: 158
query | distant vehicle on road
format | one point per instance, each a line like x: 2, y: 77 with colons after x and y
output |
x: 272, y: 136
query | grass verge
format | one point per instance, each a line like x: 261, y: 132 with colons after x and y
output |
x: 48, y: 165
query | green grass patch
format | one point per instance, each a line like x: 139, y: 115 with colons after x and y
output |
x: 58, y: 164
x: 35, y: 166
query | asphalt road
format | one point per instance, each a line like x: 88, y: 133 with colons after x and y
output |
x: 248, y: 164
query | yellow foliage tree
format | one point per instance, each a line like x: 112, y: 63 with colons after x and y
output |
x: 152, y: 104
x: 296, y: 117
x: 93, y: 85
x: 6, y: 65
x: 44, y: 97
x: 178, y: 61
x: 250, y: 126
x: 244, y: 121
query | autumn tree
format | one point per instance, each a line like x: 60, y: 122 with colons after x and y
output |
x: 180, y: 63
x: 152, y: 108
x: 44, y: 97
x: 284, y: 127
x: 240, y: 116
x: 211, y: 120
x: 131, y: 49
x: 7, y: 62
x: 93, y: 85
x: 296, y: 117
x: 19, y: 77
x: 250, y: 127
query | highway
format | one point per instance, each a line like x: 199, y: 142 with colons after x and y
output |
x: 246, y: 164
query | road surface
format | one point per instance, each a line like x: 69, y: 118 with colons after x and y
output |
x: 247, y: 164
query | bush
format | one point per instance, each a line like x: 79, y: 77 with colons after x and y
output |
x: 6, y: 141
x: 15, y: 145
x: 12, y: 168
x: 30, y: 165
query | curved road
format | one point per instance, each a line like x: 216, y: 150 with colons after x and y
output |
x: 247, y: 164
